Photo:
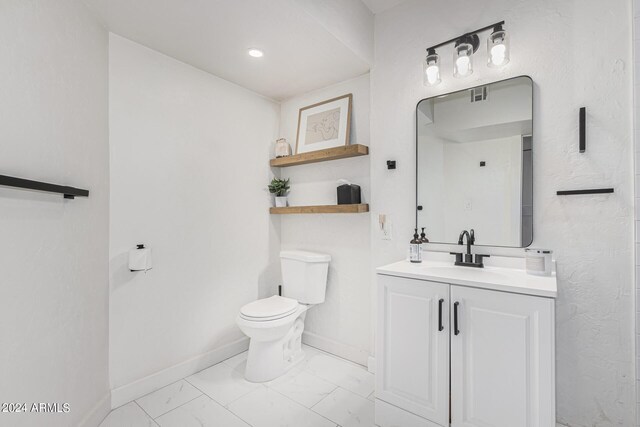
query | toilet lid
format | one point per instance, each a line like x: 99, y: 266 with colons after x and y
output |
x: 271, y: 308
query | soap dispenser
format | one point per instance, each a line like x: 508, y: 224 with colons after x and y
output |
x: 415, y: 248
x: 423, y: 236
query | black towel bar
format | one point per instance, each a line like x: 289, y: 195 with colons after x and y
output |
x: 591, y: 191
x: 67, y: 192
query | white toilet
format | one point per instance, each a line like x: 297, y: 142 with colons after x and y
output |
x: 275, y: 324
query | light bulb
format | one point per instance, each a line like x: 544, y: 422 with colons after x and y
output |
x: 433, y: 74
x: 498, y: 54
x: 256, y: 53
x: 463, y: 65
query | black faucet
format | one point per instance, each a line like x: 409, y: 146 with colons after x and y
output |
x: 468, y: 257
x: 471, y: 239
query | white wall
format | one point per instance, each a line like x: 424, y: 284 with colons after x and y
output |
x: 189, y: 169
x: 553, y: 42
x: 54, y: 252
x: 349, y: 21
x: 342, y: 324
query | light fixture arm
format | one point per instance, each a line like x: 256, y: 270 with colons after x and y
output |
x: 471, y: 34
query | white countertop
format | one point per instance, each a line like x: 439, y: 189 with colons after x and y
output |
x: 512, y: 280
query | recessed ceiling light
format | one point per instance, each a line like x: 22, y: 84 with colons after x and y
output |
x: 256, y: 53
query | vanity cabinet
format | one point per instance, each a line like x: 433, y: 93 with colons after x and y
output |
x: 412, y: 357
x: 452, y: 355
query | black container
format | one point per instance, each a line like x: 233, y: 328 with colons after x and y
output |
x: 348, y: 194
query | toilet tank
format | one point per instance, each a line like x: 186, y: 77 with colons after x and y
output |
x: 304, y: 275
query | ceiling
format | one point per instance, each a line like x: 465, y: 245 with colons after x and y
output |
x: 377, y: 6
x: 300, y: 51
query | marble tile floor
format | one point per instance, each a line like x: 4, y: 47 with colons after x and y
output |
x: 322, y: 391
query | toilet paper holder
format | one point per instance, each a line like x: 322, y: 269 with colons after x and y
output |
x: 140, y: 259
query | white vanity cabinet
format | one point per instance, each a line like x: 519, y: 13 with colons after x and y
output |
x: 412, y: 357
x: 502, y: 359
x: 451, y: 354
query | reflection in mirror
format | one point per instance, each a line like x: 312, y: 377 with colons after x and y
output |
x: 474, y: 164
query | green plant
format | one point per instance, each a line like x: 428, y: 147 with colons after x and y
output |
x: 279, y: 187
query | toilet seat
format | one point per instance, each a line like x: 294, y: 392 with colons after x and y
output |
x: 266, y: 309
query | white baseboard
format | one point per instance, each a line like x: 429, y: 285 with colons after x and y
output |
x: 371, y: 364
x: 341, y: 350
x: 146, y: 385
x: 97, y: 413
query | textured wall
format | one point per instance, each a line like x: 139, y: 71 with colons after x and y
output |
x: 54, y: 287
x: 188, y: 178
x: 573, y: 63
x: 342, y: 323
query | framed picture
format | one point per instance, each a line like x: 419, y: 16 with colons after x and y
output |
x: 324, y: 125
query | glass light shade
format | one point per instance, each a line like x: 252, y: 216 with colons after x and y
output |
x: 463, y: 60
x: 498, y: 49
x: 431, y: 69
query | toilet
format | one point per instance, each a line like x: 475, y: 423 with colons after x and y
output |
x: 275, y: 324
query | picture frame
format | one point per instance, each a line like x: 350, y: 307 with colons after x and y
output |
x: 326, y: 124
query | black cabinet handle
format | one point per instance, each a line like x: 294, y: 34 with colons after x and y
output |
x: 456, y: 331
x: 440, y: 327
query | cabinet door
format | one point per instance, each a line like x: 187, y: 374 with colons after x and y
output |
x: 502, y: 359
x: 412, y: 352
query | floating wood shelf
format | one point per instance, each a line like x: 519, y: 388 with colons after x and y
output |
x: 321, y: 209
x: 321, y: 155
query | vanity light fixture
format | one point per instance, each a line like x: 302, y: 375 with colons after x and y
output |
x: 464, y: 48
x: 256, y: 53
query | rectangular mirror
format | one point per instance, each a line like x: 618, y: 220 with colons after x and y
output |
x: 474, y: 164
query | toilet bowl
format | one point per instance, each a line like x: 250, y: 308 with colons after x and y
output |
x: 275, y: 324
x: 275, y: 344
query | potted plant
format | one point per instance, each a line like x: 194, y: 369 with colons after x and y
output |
x: 280, y: 188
